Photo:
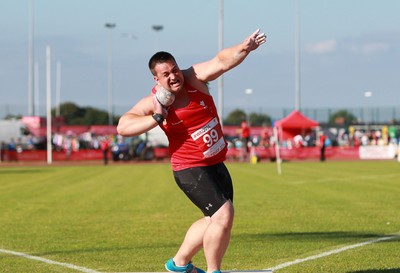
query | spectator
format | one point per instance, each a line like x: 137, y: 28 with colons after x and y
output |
x: 322, y: 140
x: 105, y: 146
x: 245, y: 135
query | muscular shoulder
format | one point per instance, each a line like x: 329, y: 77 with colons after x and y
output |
x: 192, y: 79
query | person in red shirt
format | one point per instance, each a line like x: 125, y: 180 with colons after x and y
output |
x: 322, y: 146
x: 245, y: 135
x: 197, y: 146
x: 265, y: 136
x: 105, y: 145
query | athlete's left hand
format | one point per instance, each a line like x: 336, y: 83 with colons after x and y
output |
x: 254, y: 40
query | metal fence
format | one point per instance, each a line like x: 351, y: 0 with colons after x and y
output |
x: 322, y: 115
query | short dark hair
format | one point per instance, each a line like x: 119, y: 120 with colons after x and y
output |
x: 159, y: 57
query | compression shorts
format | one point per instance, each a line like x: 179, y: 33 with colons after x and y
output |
x: 208, y: 187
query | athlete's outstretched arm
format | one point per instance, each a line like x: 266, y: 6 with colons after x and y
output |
x: 228, y: 58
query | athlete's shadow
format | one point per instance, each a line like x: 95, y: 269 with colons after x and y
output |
x: 392, y: 270
x: 23, y: 171
x: 311, y: 236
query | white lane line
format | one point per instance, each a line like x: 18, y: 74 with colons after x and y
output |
x: 47, y: 261
x: 335, y: 251
x: 287, y: 264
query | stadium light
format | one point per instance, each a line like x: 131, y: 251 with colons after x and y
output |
x: 157, y: 28
x: 297, y: 58
x: 110, y: 26
x: 367, y: 95
x: 248, y: 93
x: 31, y: 60
x: 220, y: 47
x: 48, y: 105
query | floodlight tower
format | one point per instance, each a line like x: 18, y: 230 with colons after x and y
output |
x: 157, y: 29
x: 248, y: 93
x: 297, y: 59
x: 30, y: 61
x: 220, y: 47
x: 367, y: 114
x: 110, y: 26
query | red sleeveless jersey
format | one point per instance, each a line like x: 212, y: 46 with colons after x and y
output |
x: 194, y: 133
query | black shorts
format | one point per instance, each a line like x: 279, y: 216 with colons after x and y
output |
x: 208, y: 187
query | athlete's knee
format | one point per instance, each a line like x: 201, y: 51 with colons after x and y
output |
x: 224, y: 215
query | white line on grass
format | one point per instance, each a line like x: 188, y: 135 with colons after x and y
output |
x: 47, y: 261
x: 287, y: 264
x: 335, y: 251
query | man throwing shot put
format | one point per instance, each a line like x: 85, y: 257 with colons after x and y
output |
x: 189, y: 118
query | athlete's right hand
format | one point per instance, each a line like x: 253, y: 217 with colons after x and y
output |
x: 158, y: 108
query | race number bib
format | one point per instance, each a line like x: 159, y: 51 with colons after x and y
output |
x: 210, y: 138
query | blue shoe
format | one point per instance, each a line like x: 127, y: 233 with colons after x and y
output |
x: 189, y: 268
x: 217, y: 271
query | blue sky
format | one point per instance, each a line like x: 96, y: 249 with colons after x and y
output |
x: 348, y: 47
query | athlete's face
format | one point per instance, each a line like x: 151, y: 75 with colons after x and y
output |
x: 169, y: 76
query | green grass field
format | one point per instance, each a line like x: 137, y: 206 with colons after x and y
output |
x: 132, y: 217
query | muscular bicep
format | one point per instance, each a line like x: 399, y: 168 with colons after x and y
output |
x: 209, y: 71
x: 138, y: 119
x: 221, y: 63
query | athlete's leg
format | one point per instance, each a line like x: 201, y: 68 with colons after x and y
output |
x: 209, y: 188
x: 192, y: 243
x: 217, y: 236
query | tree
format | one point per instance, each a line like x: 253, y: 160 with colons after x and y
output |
x: 11, y: 117
x: 342, y: 117
x: 95, y: 116
x: 259, y: 119
x: 235, y: 117
x: 75, y: 115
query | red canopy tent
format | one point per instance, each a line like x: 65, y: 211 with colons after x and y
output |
x: 294, y: 124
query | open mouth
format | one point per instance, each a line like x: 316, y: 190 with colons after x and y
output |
x: 175, y: 84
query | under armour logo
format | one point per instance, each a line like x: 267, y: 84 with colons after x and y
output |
x: 209, y: 206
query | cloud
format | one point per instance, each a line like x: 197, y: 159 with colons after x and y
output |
x: 369, y: 48
x: 372, y: 48
x: 359, y: 46
x: 372, y: 43
x: 322, y: 47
